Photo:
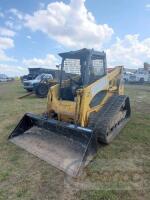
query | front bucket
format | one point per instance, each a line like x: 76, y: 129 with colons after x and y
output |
x: 65, y: 146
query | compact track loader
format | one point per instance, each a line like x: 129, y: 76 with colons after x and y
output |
x: 86, y: 107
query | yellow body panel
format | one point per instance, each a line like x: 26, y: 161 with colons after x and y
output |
x: 78, y: 111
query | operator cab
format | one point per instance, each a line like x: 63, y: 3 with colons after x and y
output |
x: 82, y: 67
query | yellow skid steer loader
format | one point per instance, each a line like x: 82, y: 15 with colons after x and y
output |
x: 86, y: 107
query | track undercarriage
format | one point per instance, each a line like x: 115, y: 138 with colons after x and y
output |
x: 108, y: 122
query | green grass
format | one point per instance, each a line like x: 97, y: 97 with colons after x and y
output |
x: 25, y: 177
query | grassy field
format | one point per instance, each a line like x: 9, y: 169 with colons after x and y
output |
x: 25, y: 177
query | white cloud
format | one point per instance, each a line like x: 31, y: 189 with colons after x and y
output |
x: 9, y: 24
x: 3, y: 56
x: 6, y: 43
x: 16, y: 13
x: 147, y: 6
x: 129, y: 51
x: 13, y: 70
x: 71, y: 25
x: 15, y: 20
x: 15, y: 25
x: 49, y: 61
x: 29, y: 37
x: 6, y: 32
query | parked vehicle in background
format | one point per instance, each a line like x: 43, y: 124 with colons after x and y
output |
x: 142, y: 75
x: 39, y: 80
x: 30, y: 85
x: 34, y: 72
x: 139, y: 76
x: 5, y: 78
x: 129, y: 77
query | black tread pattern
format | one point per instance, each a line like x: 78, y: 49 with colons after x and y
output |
x: 100, y: 122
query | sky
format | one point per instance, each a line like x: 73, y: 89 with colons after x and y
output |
x: 33, y: 32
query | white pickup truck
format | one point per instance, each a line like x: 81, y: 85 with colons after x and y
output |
x: 29, y: 85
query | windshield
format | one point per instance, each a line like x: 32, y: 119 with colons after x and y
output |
x: 39, y: 77
x: 72, y: 66
x: 86, y: 69
x: 48, y: 76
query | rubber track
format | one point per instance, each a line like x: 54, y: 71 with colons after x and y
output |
x: 105, y: 116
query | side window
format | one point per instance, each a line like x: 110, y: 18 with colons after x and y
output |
x: 98, y: 67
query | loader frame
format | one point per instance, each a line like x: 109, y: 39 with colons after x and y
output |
x: 79, y: 110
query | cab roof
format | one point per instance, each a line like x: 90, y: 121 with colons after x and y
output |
x: 82, y: 53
